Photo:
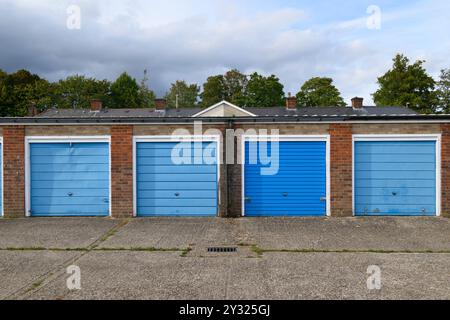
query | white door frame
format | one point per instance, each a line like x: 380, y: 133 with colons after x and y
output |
x: 401, y: 137
x: 180, y: 138
x: 60, y: 139
x: 287, y: 138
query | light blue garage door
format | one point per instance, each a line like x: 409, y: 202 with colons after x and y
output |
x: 297, y: 189
x: 395, y: 178
x: 176, y: 179
x: 69, y: 179
x: 1, y: 177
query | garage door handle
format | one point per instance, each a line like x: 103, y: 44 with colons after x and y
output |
x: 323, y: 199
x: 177, y: 194
x: 248, y: 199
x: 70, y: 194
x: 285, y: 194
x: 106, y: 200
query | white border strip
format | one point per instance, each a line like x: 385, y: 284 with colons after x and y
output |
x: 226, y: 103
x: 402, y: 137
x: 190, y: 138
x: 287, y: 138
x: 60, y: 139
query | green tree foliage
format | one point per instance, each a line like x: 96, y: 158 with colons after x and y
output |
x: 187, y: 95
x: 213, y: 91
x: 41, y: 94
x: 146, y: 96
x: 407, y: 84
x: 125, y: 92
x: 15, y: 92
x: 230, y: 87
x: 78, y: 91
x: 319, y: 92
x: 235, y: 85
x: 264, y: 91
x: 443, y: 91
x: 244, y: 91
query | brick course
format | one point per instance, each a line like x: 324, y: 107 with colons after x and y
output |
x: 14, y: 171
x: 122, y: 171
x: 341, y: 149
x: 445, y: 170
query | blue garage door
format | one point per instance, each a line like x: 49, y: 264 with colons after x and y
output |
x: 168, y: 186
x: 69, y: 179
x: 395, y: 178
x: 297, y: 189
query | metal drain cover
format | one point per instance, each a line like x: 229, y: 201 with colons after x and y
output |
x: 222, y: 250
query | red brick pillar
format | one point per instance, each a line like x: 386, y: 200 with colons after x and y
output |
x: 122, y: 171
x: 14, y: 171
x: 341, y: 150
x: 445, y: 170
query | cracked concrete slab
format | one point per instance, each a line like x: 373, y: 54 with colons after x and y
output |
x: 19, y: 270
x: 53, y: 232
x: 175, y: 233
x: 374, y: 233
x: 157, y: 275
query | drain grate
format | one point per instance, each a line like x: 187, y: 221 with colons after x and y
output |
x: 222, y: 250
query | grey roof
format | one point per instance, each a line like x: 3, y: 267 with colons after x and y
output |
x: 260, y: 112
x: 119, y: 113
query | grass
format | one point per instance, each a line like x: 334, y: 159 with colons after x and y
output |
x: 185, y: 252
x: 35, y: 285
x: 113, y: 231
x: 260, y: 251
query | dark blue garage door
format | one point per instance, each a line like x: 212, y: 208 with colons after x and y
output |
x: 297, y: 189
x: 69, y: 179
x: 168, y: 187
x: 395, y: 178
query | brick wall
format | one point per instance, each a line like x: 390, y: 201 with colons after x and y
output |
x: 341, y: 149
x: 230, y: 176
x: 14, y: 171
x: 67, y: 130
x: 445, y: 170
x: 122, y: 171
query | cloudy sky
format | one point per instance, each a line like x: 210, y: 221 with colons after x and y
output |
x: 192, y: 39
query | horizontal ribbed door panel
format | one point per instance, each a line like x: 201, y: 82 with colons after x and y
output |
x: 69, y: 179
x: 169, y: 187
x: 297, y: 189
x: 1, y: 177
x: 395, y: 178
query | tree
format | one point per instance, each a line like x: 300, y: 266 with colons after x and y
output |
x: 443, y: 91
x: 235, y: 85
x: 41, y: 94
x: 146, y: 96
x: 264, y: 91
x: 213, y: 91
x: 14, y: 92
x: 125, y: 92
x: 319, y: 92
x: 407, y: 84
x: 77, y: 92
x: 7, y: 103
x: 230, y: 87
x: 186, y: 94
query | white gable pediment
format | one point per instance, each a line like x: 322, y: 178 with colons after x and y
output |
x: 224, y: 109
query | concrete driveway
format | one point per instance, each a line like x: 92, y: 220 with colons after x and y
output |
x: 276, y: 258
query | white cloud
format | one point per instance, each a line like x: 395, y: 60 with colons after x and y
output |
x: 194, y: 39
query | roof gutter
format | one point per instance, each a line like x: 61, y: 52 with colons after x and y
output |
x: 221, y: 120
